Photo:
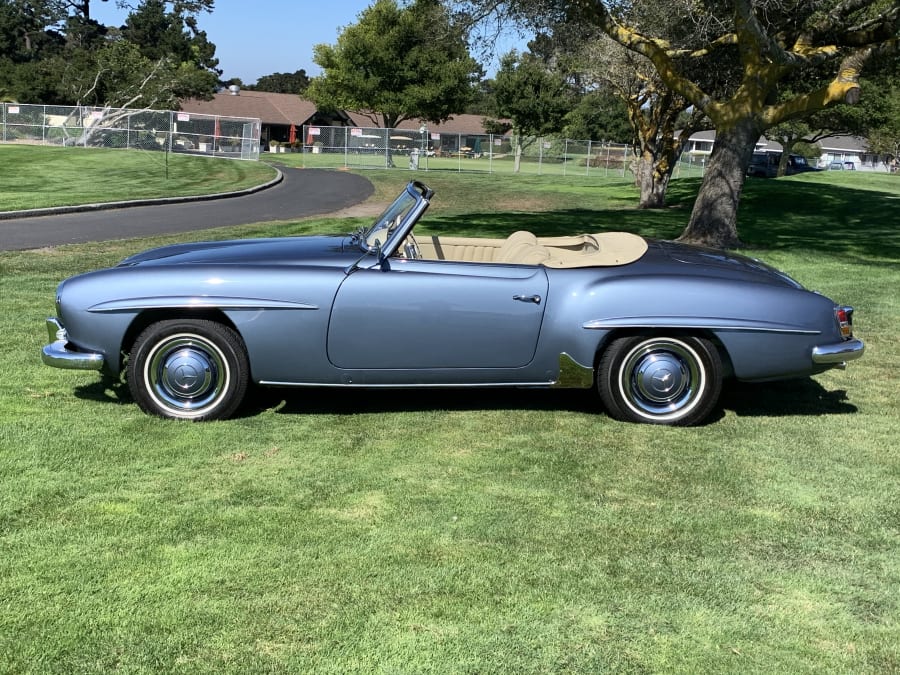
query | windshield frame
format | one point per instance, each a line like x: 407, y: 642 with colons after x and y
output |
x: 397, y: 220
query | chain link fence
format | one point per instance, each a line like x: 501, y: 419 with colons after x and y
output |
x: 378, y: 148
x: 162, y: 130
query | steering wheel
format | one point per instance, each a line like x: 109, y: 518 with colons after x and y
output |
x: 410, y: 248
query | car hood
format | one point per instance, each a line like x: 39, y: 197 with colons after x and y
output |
x: 282, y: 250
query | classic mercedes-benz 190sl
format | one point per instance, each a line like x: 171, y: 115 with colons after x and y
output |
x: 655, y: 326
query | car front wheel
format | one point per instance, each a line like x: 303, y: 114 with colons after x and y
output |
x: 188, y: 369
x: 659, y: 379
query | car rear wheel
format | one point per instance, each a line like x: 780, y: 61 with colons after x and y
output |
x: 188, y: 369
x: 659, y: 379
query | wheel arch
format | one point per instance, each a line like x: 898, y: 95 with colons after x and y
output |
x: 698, y: 332
x: 148, y: 317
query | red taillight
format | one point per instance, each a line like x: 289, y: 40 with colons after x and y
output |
x: 844, y: 317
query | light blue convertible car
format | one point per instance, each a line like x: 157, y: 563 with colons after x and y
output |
x: 654, y: 326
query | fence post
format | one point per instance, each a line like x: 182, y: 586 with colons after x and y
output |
x: 346, y: 147
x: 490, y: 153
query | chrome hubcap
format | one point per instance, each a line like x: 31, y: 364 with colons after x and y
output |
x: 661, y: 378
x: 186, y: 374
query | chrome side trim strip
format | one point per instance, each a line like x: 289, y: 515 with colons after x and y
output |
x: 367, y: 385
x: 708, y: 323
x: 838, y: 352
x: 196, y: 302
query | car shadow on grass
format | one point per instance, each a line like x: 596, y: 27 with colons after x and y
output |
x: 368, y: 401
x: 801, y: 397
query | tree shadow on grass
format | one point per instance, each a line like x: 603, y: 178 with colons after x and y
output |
x: 774, y: 214
x: 807, y: 214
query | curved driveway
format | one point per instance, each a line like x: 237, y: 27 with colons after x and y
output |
x: 301, y: 193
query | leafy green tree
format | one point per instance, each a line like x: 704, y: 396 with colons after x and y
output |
x: 395, y: 64
x: 23, y: 29
x: 535, y: 98
x: 636, y: 106
x: 282, y: 83
x: 598, y: 116
x: 54, y: 52
x: 884, y: 138
x: 173, y: 39
x: 484, y: 101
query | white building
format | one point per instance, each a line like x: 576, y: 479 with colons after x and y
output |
x: 847, y: 150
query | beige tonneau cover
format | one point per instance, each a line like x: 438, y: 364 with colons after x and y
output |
x: 583, y: 250
x: 591, y: 250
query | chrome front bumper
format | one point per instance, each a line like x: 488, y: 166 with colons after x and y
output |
x: 838, y: 353
x: 59, y: 355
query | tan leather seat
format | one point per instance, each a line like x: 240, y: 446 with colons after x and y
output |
x: 521, y: 248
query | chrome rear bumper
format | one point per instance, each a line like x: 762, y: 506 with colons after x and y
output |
x: 838, y: 353
x: 59, y: 355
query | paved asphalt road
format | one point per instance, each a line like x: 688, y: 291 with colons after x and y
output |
x: 302, y: 192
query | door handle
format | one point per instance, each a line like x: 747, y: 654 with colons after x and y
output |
x: 536, y: 299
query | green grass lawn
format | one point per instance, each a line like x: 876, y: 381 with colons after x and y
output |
x: 460, y: 532
x: 38, y: 177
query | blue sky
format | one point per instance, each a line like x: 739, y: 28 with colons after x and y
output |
x: 263, y: 36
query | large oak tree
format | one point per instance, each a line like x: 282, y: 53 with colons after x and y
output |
x: 764, y: 43
x: 732, y: 66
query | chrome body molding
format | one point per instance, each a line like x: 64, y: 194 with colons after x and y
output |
x: 195, y: 302
x: 573, y: 375
x: 58, y: 354
x: 349, y: 383
x: 838, y: 353
x: 695, y: 323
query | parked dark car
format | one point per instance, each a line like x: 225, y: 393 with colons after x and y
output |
x: 765, y: 165
x: 654, y: 326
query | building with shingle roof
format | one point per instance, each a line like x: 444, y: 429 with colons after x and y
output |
x: 849, y: 150
x: 278, y: 112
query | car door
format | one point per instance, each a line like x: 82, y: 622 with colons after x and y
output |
x: 426, y: 314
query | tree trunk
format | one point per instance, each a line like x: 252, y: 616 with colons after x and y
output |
x: 784, y: 159
x: 653, y: 180
x: 714, y: 218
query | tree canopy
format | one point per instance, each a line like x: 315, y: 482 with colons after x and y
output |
x: 534, y: 97
x: 52, y: 51
x: 282, y: 83
x: 397, y: 63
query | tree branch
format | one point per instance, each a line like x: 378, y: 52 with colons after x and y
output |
x: 655, y: 50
